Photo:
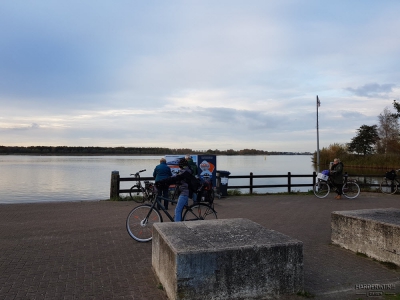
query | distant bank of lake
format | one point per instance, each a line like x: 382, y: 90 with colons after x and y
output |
x: 28, y: 178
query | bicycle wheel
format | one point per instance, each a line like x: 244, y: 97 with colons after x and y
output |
x: 199, y: 211
x: 321, y: 189
x: 351, y: 190
x: 140, y: 220
x: 136, y: 196
x: 388, y: 186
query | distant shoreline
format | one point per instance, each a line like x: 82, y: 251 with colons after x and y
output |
x: 88, y: 151
x: 149, y: 154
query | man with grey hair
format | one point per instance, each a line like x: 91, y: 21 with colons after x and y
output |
x: 162, y: 171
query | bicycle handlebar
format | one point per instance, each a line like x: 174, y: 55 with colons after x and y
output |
x: 137, y: 173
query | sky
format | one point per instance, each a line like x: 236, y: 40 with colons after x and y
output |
x: 207, y: 74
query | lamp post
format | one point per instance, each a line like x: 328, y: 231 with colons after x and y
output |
x: 318, y: 104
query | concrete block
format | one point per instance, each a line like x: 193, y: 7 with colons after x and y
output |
x: 225, y: 259
x: 374, y: 232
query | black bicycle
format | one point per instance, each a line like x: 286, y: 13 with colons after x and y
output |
x: 140, y: 220
x: 140, y: 193
x: 324, y: 184
x: 390, y: 183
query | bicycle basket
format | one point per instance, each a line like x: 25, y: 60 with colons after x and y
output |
x: 322, y: 176
x: 391, y: 175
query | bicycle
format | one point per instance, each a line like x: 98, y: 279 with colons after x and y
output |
x: 390, y: 183
x: 324, y: 185
x: 140, y: 220
x: 206, y: 192
x: 147, y: 192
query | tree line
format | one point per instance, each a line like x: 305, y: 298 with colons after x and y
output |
x: 67, y: 150
x: 375, y: 145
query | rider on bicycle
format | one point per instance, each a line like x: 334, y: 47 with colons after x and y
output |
x: 181, y: 180
x: 336, y: 173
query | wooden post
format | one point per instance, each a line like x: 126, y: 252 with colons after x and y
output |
x: 314, y: 179
x: 114, y: 187
x: 251, y: 183
x: 289, y: 182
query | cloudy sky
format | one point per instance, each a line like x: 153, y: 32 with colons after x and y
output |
x: 207, y: 74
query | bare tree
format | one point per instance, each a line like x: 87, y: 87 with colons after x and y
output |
x: 389, y: 132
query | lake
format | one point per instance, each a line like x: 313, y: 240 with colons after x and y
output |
x: 75, y: 178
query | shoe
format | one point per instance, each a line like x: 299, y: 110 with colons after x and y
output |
x: 338, y: 197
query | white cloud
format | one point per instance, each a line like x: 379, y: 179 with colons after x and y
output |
x: 198, y: 74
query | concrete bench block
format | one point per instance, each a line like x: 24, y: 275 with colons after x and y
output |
x: 374, y: 232
x: 225, y: 259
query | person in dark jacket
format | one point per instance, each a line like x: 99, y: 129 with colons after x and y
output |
x: 193, y: 168
x: 191, y: 164
x: 181, y: 179
x: 162, y: 171
x: 337, y: 176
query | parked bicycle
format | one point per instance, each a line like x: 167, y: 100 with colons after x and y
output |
x: 206, y: 192
x: 324, y: 185
x: 390, y: 183
x: 140, y: 220
x: 140, y: 193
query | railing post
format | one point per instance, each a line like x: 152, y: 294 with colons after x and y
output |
x: 114, y: 187
x: 251, y: 183
x: 289, y: 182
x: 314, y: 179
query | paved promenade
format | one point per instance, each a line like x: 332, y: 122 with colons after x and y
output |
x: 80, y: 250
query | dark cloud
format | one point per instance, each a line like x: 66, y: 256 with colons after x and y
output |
x: 372, y: 90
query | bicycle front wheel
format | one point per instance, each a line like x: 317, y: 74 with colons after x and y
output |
x: 321, y: 189
x: 199, y: 211
x: 136, y: 196
x: 140, y: 220
x: 388, y: 186
x: 351, y: 190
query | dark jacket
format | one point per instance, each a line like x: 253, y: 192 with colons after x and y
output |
x: 337, y: 173
x: 192, y: 166
x: 181, y: 179
x: 162, y: 171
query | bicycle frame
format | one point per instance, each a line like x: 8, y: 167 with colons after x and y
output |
x: 158, y: 202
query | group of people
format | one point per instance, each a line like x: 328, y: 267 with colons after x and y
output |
x: 163, y: 179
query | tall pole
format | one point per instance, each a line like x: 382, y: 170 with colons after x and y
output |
x: 318, y: 104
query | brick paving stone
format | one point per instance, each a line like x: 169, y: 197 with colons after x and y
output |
x: 80, y: 250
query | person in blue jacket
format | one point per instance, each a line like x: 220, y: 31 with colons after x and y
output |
x: 162, y: 171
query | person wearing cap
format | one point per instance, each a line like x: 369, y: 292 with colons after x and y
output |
x: 162, y: 171
x: 191, y: 164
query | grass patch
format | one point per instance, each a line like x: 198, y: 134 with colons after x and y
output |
x: 305, y: 294
x: 123, y: 198
x: 234, y: 193
x: 160, y: 286
x: 389, y: 265
x: 361, y: 254
x: 392, y: 296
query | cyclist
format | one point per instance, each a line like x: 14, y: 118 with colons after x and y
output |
x: 193, y: 168
x: 160, y: 172
x: 336, y: 173
x: 181, y: 180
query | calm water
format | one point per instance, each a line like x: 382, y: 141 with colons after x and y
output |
x: 71, y: 178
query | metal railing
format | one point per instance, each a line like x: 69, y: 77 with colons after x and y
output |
x: 116, y: 179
